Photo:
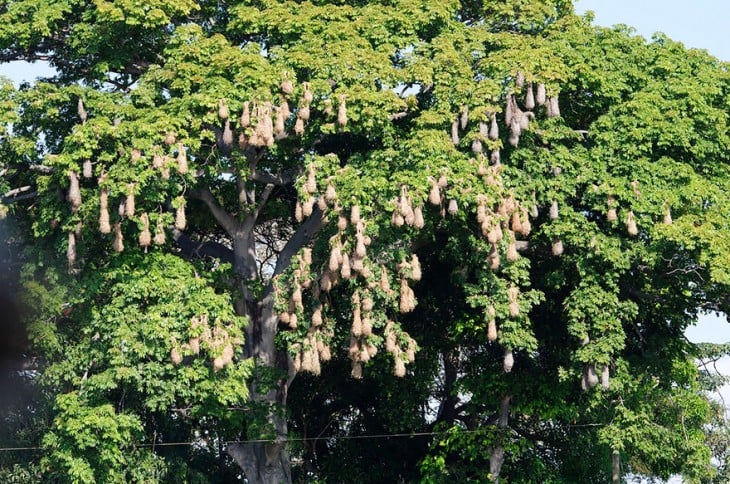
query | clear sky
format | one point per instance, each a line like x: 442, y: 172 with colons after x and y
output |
x: 696, y: 23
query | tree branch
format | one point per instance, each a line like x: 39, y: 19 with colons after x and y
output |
x: 303, y: 235
x: 280, y: 179
x: 191, y: 248
x: 41, y: 168
x: 18, y: 194
x: 225, y: 219
x: 15, y: 191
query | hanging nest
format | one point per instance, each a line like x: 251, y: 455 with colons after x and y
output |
x: 71, y: 249
x: 541, y: 94
x: 335, y: 258
x: 416, y: 272
x: 355, y: 214
x: 605, y: 377
x: 87, y: 169
x: 175, y: 356
x: 81, y: 111
x: 492, y: 330
x: 554, y: 212
x: 611, y: 215
x: 557, y: 247
x: 418, y: 221
x: 514, y: 307
x: 330, y: 193
x: 455, y: 131
x: 118, y: 243
x: 508, y: 361
x: 74, y: 192
x: 299, y: 127
x: 399, y: 369
x: 104, y: 226
x: 520, y: 79
x: 509, y: 110
x: 245, y: 119
x: 631, y: 226
x: 279, y: 128
x: 464, y: 118
x: 180, y: 220
x: 407, y: 297
x: 182, y: 159
x: 453, y: 207
x: 159, y: 233
x: 512, y: 254
x: 129, y: 205
x: 345, y: 269
x: 307, y: 96
x: 342, y: 111
x: 494, y: 128
x: 434, y: 195
x: 287, y: 87
x: 308, y: 206
x: 493, y: 258
x: 553, y: 107
x: 145, y: 237
x: 341, y: 222
x: 530, y: 98
x: 356, y: 370
x: 227, y: 137
x: 384, y: 282
x: 667, y: 220
x: 222, y: 110
x: 310, y: 186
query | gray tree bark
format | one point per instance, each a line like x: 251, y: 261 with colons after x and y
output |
x: 615, y: 467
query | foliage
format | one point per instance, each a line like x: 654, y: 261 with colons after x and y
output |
x: 518, y: 211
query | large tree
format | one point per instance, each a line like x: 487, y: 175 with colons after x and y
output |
x: 245, y: 190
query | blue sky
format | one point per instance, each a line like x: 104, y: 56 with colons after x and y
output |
x: 697, y: 23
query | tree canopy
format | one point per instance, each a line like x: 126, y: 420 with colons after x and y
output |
x: 360, y: 241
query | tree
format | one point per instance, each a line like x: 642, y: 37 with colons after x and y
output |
x: 307, y: 164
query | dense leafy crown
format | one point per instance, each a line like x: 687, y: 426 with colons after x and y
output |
x: 559, y: 190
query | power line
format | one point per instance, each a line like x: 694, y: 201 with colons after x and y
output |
x: 303, y: 439
x: 264, y: 441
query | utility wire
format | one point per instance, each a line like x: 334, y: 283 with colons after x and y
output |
x: 263, y: 441
x: 297, y: 439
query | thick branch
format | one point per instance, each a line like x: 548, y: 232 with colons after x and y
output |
x: 280, y: 179
x: 41, y: 168
x: 18, y: 194
x: 223, y: 218
x: 191, y: 248
x: 16, y: 191
x: 304, y: 234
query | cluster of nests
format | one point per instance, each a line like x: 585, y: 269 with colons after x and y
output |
x: 261, y: 124
x: 216, y: 340
x: 514, y: 117
x: 347, y: 259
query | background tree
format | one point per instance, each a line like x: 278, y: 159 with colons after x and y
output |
x: 559, y: 191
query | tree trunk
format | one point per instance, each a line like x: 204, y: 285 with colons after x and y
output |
x: 615, y: 467
x: 496, y: 454
x: 262, y: 462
